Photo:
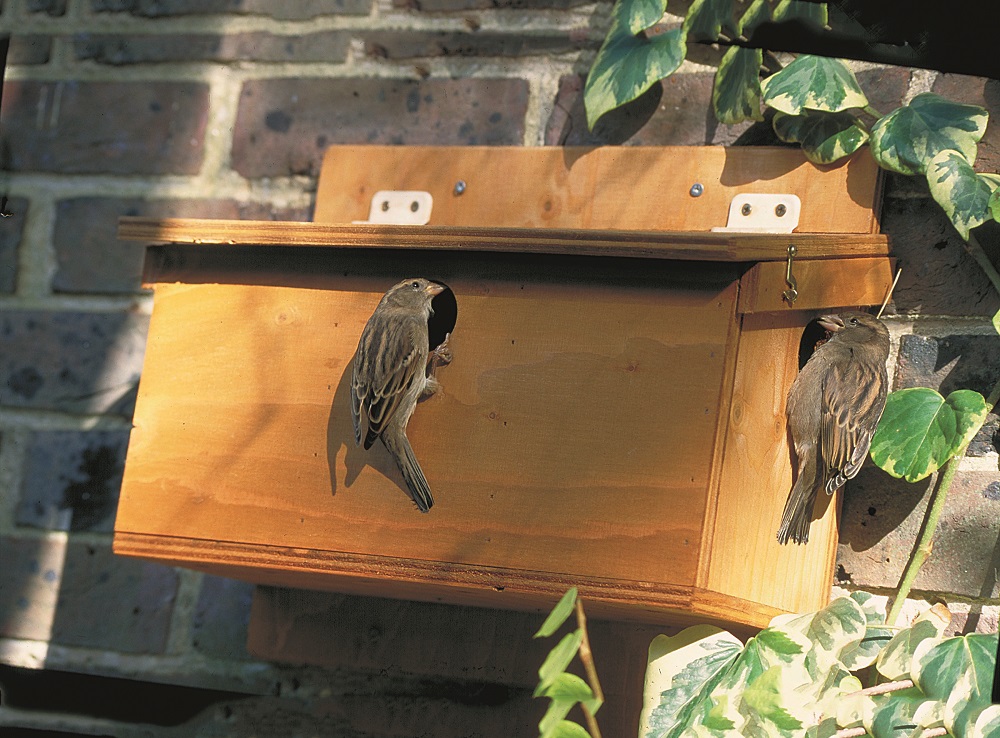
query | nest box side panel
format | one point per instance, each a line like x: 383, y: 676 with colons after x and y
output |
x: 610, y: 187
x: 573, y: 437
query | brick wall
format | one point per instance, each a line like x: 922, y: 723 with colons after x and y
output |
x: 222, y: 108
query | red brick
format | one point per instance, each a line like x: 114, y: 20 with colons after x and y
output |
x: 90, y: 258
x: 73, y: 362
x: 294, y: 10
x: 939, y: 277
x: 412, y: 44
x: 11, y: 229
x: 977, y: 91
x: 881, y: 521
x: 284, y: 125
x: 222, y: 617
x: 76, y: 127
x: 122, y: 49
x: 29, y: 49
x: 72, y: 480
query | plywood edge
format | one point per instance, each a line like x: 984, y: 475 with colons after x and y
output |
x: 431, y: 581
x: 680, y: 245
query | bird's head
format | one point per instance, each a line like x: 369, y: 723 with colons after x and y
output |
x: 416, y: 292
x: 856, y: 327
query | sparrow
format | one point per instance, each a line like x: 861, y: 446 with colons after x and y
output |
x: 833, y: 408
x: 393, y: 369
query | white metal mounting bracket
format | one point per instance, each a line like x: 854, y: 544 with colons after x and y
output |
x: 762, y: 213
x: 400, y: 207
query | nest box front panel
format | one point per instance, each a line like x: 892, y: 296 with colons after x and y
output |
x: 574, y: 433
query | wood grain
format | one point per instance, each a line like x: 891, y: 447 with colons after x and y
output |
x: 686, y: 245
x: 606, y: 188
x: 821, y: 284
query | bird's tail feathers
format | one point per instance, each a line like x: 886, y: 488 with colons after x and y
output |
x: 797, y: 516
x: 409, y: 467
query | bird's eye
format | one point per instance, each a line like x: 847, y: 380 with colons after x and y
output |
x: 415, y: 285
x: 854, y: 321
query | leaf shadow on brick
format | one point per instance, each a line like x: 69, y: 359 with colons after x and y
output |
x: 874, y: 506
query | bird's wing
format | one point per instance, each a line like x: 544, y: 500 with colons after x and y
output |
x: 853, y: 399
x: 385, y: 368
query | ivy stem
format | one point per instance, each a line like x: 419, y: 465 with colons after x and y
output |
x: 926, y: 542
x: 975, y: 250
x: 587, y: 657
x: 872, y: 112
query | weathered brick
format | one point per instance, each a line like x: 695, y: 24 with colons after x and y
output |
x: 72, y: 480
x: 113, y: 602
x: 55, y: 8
x: 11, y: 229
x: 881, y: 521
x: 76, y: 127
x: 90, y: 257
x: 445, y: 6
x: 939, y: 277
x: 948, y: 363
x: 70, y: 361
x: 121, y: 49
x: 284, y: 125
x: 885, y: 87
x: 29, y: 586
x: 976, y: 91
x: 676, y: 112
x: 413, y: 44
x: 295, y: 10
x: 222, y: 617
x: 29, y: 49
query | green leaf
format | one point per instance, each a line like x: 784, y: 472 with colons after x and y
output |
x: 706, y: 19
x: 767, y: 698
x: 908, y: 138
x: 557, y: 617
x: 837, y: 627
x: 568, y: 729
x: 813, y: 83
x: 557, y: 660
x: 959, y: 672
x: 995, y: 205
x: 627, y: 65
x: 903, y: 713
x: 568, y: 687
x: 681, y: 672
x: 825, y: 137
x: 920, y: 430
x: 866, y: 650
x: 988, y: 723
x: 791, y: 9
x: 736, y: 94
x: 554, y: 715
x: 963, y: 195
x: 758, y: 12
x: 895, y: 662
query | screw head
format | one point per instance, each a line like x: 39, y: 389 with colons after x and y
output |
x: 696, y: 189
x: 385, y: 205
x: 746, y: 209
x: 460, y: 187
x: 414, y: 206
x: 780, y: 209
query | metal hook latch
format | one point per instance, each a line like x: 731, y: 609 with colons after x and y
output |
x: 792, y: 293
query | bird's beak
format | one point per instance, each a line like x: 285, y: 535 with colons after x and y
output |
x: 433, y: 289
x: 832, y: 323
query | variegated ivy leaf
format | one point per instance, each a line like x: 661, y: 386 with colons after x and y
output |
x: 706, y: 19
x: 963, y: 194
x: 959, y: 672
x: 736, y: 93
x: 920, y: 430
x: 681, y: 672
x: 813, y: 83
x: 825, y: 137
x: 988, y: 723
x: 908, y: 138
x: 830, y: 631
x: 791, y: 9
x: 627, y: 64
x: 773, y: 705
x: 875, y: 638
x: 901, y: 714
x: 895, y: 661
x: 995, y: 205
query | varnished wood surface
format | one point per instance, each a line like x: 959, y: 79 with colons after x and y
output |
x: 606, y: 188
x: 821, y: 284
x: 743, y: 556
x: 683, y: 245
x: 571, y: 440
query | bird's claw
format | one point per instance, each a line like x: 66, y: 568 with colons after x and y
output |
x: 442, y: 356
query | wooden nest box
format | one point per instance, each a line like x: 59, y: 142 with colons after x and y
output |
x: 614, y: 417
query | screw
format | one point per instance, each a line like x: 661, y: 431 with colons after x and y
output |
x: 696, y: 189
x: 780, y: 209
x: 460, y: 187
x: 414, y: 206
x: 746, y: 208
x: 385, y: 206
